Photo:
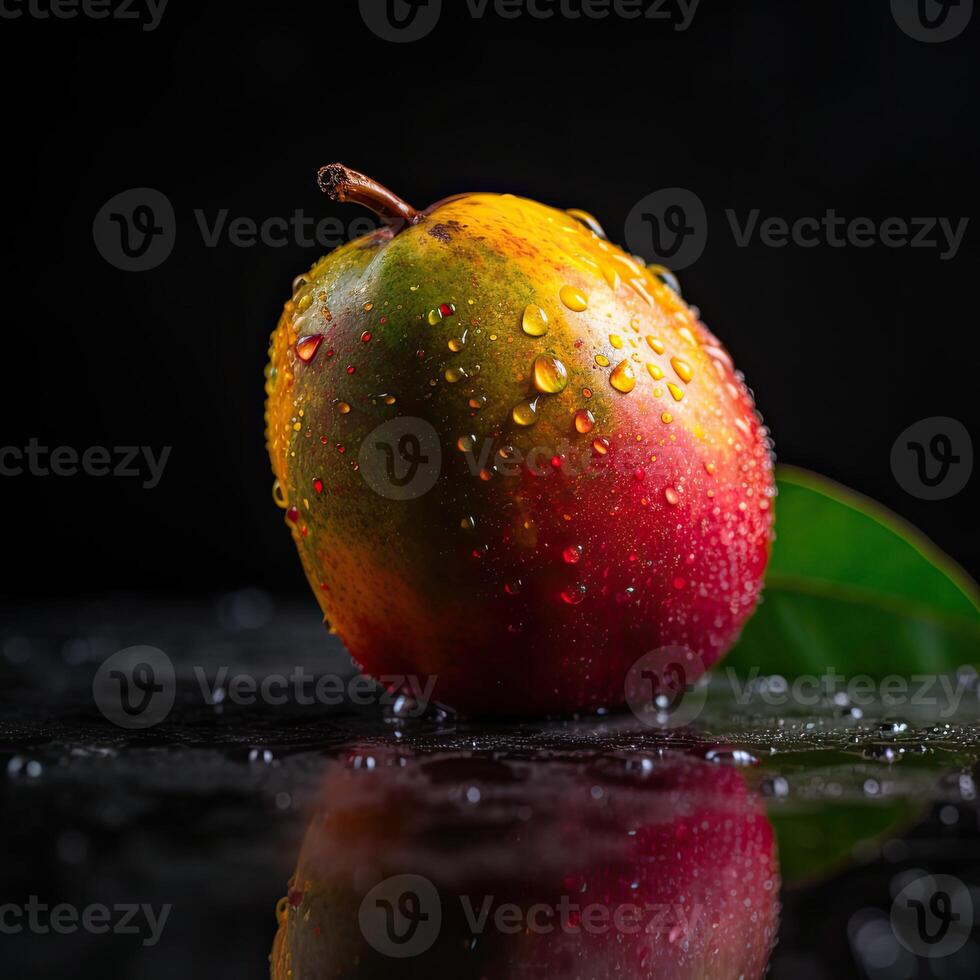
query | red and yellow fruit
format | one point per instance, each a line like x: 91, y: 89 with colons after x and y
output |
x: 605, y: 484
x: 586, y: 868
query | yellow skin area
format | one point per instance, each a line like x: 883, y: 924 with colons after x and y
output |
x: 490, y: 256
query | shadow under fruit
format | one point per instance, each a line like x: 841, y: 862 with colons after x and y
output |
x: 572, y: 473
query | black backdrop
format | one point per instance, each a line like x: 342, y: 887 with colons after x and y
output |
x: 789, y: 108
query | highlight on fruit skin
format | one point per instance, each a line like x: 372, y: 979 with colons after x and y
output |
x: 470, y: 393
x: 612, y: 866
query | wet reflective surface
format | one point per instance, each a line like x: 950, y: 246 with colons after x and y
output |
x: 277, y: 809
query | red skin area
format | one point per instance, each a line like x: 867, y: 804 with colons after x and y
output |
x: 679, y: 857
x: 673, y: 555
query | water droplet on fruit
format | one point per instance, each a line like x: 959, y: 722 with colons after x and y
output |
x: 622, y: 378
x: 709, y: 468
x: 656, y: 372
x: 656, y: 345
x: 468, y: 523
x: 306, y: 347
x: 526, y: 412
x: 466, y: 444
x: 318, y: 485
x: 434, y: 318
x: 684, y: 370
x: 616, y: 341
x: 574, y: 299
x: 447, y: 309
x: 573, y: 595
x: 672, y: 496
x: 601, y: 445
x: 666, y: 418
x: 477, y: 402
x: 535, y: 321
x: 584, y: 421
x: 366, y: 337
x: 573, y: 555
x: 343, y: 408
x: 279, y: 495
x: 513, y: 588
x: 550, y: 375
x: 675, y: 392
x: 602, y: 360
x: 588, y: 220
x: 456, y: 344
x: 665, y: 276
x: 292, y: 514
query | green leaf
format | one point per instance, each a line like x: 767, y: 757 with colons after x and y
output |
x: 850, y: 587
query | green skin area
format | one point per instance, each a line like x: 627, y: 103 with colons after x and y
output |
x: 382, y: 272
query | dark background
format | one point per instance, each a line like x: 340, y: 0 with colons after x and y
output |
x: 789, y: 108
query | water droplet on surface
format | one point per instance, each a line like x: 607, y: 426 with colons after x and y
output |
x: 656, y: 345
x: 588, y: 220
x: 447, y: 309
x: 671, y: 496
x: 535, y: 321
x: 666, y: 418
x: 434, y: 318
x: 683, y: 370
x: 602, y: 360
x: 665, y: 276
x: 584, y: 421
x: 572, y: 555
x: 366, y: 337
x: 343, y: 408
x: 306, y: 347
x: 466, y: 444
x: 622, y: 378
x: 526, y: 412
x: 574, y: 299
x: 550, y: 375
x: 573, y: 595
x: 676, y: 393
x: 456, y: 344
x: 601, y: 445
x: 616, y: 341
x: 318, y: 485
x: 656, y: 372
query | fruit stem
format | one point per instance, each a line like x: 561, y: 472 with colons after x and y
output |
x: 342, y: 184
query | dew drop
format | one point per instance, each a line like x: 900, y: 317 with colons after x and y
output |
x: 601, y: 445
x: 656, y: 345
x: 622, y: 378
x: 584, y: 421
x: 306, y: 347
x: 343, y: 408
x: 656, y: 371
x: 535, y: 321
x: 672, y: 496
x: 616, y: 341
x: 574, y: 299
x: 525, y: 412
x: 602, y: 360
x: 684, y: 370
x: 550, y: 375
x: 675, y: 391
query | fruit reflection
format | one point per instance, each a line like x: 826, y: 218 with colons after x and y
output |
x: 464, y: 864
